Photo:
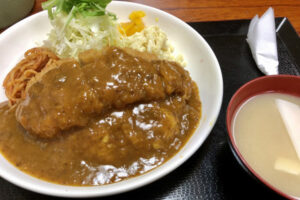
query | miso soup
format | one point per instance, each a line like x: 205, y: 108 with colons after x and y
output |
x: 266, y: 129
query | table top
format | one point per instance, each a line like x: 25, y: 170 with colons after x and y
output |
x: 219, y: 10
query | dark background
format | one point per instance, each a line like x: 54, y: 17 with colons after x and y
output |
x: 212, y: 172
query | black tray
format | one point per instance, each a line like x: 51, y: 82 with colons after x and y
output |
x: 212, y: 172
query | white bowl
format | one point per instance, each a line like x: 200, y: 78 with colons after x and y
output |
x: 201, y: 63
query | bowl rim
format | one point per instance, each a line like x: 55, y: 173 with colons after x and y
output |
x: 229, y: 119
x: 137, y: 183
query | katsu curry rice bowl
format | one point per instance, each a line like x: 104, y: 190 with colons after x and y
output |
x: 94, y: 103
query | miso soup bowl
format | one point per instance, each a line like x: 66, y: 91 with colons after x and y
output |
x: 286, y: 84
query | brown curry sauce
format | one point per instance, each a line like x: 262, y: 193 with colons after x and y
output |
x: 118, y: 143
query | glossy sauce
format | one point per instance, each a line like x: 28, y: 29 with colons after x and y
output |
x: 263, y: 139
x: 129, y: 136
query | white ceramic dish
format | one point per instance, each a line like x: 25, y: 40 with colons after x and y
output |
x: 201, y: 63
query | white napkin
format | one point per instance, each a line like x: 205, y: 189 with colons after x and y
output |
x: 262, y: 41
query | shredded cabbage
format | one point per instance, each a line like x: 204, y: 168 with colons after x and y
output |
x: 82, y: 33
x: 79, y: 25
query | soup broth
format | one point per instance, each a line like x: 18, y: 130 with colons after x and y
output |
x: 264, y: 133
